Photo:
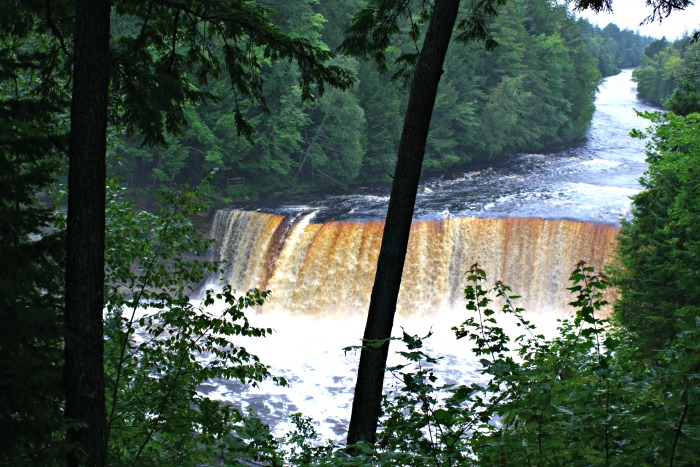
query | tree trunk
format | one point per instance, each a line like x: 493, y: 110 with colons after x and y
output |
x: 366, y: 406
x: 84, y: 346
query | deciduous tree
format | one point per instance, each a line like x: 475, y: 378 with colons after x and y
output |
x: 370, y: 36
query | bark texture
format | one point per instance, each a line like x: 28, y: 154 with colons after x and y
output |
x: 84, y: 346
x: 366, y: 407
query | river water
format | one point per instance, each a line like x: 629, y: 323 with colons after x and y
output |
x: 591, y: 181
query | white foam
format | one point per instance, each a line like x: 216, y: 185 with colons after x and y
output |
x: 309, y: 353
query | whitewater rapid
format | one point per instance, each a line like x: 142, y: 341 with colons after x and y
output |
x: 535, y: 214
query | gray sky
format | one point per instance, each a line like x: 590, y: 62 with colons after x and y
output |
x: 627, y: 14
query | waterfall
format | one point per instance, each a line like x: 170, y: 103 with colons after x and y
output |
x: 328, y: 269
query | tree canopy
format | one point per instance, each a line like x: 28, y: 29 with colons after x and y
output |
x: 199, y: 75
x: 139, y: 77
x: 659, y: 246
x: 542, y: 56
x: 669, y: 75
x: 32, y: 147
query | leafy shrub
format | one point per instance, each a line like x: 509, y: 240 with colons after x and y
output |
x: 579, y: 398
x: 161, y: 346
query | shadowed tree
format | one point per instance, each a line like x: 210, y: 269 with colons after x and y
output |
x: 369, y: 36
x: 32, y: 140
x: 136, y: 64
x: 87, y: 145
x: 155, y: 67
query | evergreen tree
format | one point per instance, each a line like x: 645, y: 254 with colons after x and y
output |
x: 335, y: 144
x: 32, y: 143
x: 654, y: 77
x: 158, y: 62
x: 612, y: 48
x: 669, y: 77
x: 658, y: 249
x: 381, y: 101
x: 686, y: 97
x: 534, y: 37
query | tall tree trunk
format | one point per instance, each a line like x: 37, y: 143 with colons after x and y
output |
x: 366, y: 406
x: 84, y: 346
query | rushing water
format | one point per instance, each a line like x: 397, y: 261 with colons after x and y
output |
x: 317, y: 258
x: 590, y: 181
x: 327, y: 269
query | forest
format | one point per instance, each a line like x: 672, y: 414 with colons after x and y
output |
x: 668, y: 75
x: 108, y: 105
x: 533, y: 92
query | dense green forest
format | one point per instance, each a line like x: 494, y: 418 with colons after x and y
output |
x: 613, y: 48
x: 614, y: 392
x: 669, y: 75
x: 532, y: 92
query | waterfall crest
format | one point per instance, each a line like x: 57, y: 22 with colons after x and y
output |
x: 328, y: 269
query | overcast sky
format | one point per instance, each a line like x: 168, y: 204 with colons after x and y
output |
x: 627, y: 14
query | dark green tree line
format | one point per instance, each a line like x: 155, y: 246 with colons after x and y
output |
x: 613, y: 48
x: 32, y: 149
x: 659, y: 245
x: 669, y: 75
x: 543, y: 60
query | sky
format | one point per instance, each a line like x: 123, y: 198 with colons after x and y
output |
x: 627, y: 14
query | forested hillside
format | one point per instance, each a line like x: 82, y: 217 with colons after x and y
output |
x: 613, y: 48
x: 535, y: 90
x: 669, y: 75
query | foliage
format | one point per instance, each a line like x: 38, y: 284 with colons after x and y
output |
x: 658, y: 251
x: 669, y: 75
x: 540, y: 46
x: 167, y: 54
x: 579, y: 398
x: 161, y: 345
x: 178, y: 47
x: 660, y: 9
x: 162, y: 54
x: 613, y: 48
x: 525, y: 409
x: 655, y: 76
x: 32, y: 139
x: 686, y: 97
x: 204, y: 69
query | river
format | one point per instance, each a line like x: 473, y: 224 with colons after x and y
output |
x: 589, y: 181
x: 526, y: 220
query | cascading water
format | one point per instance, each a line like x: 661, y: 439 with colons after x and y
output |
x: 527, y: 222
x: 326, y: 269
